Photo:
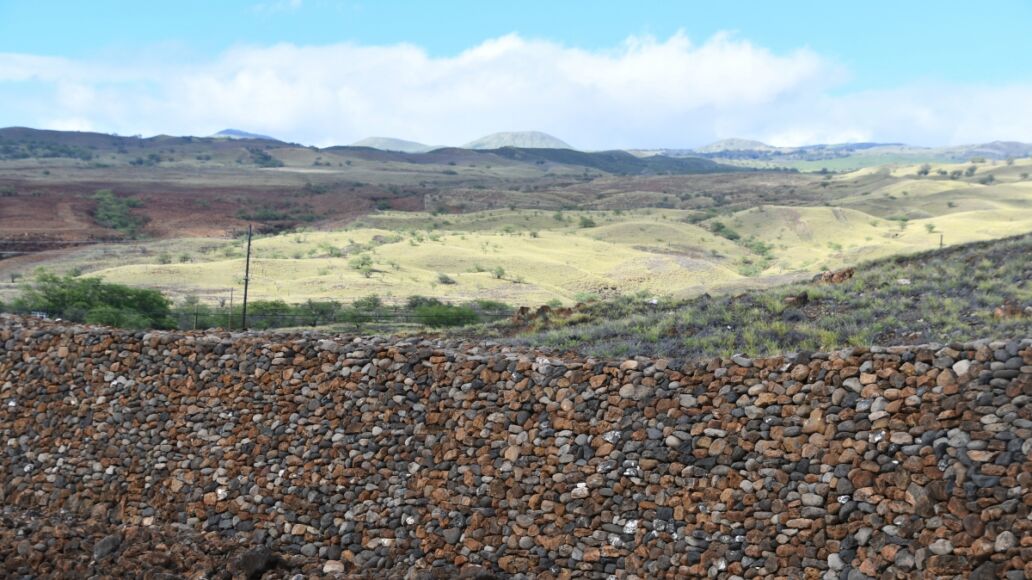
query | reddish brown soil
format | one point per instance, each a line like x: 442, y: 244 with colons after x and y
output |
x: 49, y: 213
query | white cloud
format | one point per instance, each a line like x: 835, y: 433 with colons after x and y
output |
x: 644, y: 92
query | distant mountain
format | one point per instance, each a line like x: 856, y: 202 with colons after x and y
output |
x: 521, y: 139
x: 238, y: 134
x: 993, y: 150
x: 735, y: 145
x: 616, y: 162
x: 392, y: 144
x: 862, y: 154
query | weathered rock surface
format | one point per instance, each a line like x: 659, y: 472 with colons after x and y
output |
x: 191, y: 454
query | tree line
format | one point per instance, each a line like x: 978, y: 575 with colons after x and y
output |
x: 91, y: 300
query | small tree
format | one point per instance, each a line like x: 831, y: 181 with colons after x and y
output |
x: 363, y: 264
x: 498, y: 272
x: 586, y: 222
x: 924, y: 170
x: 930, y: 228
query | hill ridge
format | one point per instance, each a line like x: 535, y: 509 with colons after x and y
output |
x: 519, y: 139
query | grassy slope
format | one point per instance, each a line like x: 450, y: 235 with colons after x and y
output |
x: 560, y: 260
x: 944, y: 295
x: 653, y: 250
x: 807, y: 223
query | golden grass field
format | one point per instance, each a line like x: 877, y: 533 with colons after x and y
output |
x: 548, y: 255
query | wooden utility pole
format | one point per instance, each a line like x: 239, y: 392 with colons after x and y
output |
x: 247, y: 278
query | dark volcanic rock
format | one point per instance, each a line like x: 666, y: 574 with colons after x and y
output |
x: 130, y: 454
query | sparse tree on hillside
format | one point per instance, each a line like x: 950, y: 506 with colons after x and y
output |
x: 924, y: 170
x: 363, y: 264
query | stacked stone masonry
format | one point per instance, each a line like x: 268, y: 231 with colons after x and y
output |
x: 201, y: 454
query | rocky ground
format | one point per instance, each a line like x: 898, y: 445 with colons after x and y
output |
x: 215, y: 455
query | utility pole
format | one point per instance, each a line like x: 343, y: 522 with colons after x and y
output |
x: 247, y: 278
x: 940, y: 240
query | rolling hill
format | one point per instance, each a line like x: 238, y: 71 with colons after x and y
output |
x: 392, y: 144
x: 238, y: 134
x: 844, y: 156
x: 735, y: 145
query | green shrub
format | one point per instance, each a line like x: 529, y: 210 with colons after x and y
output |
x: 94, y: 301
x: 414, y: 302
x: 371, y: 302
x: 492, y: 306
x: 586, y: 222
x: 261, y: 158
x: 113, y: 212
x: 363, y: 264
x: 723, y: 231
x: 442, y: 315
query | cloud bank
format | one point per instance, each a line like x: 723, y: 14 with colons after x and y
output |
x: 645, y: 92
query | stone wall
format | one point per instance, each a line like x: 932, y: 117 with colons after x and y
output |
x: 354, y: 455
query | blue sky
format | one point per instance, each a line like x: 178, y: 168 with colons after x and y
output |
x: 850, y: 65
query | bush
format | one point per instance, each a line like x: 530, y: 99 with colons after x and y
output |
x: 492, y: 306
x: 441, y: 315
x: 371, y: 302
x: 262, y: 314
x: 363, y: 264
x: 445, y: 279
x: 94, y: 301
x: 725, y: 232
x: 113, y: 212
x: 498, y: 272
x: 586, y: 222
x: 414, y: 302
x: 262, y: 158
x: 112, y: 316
